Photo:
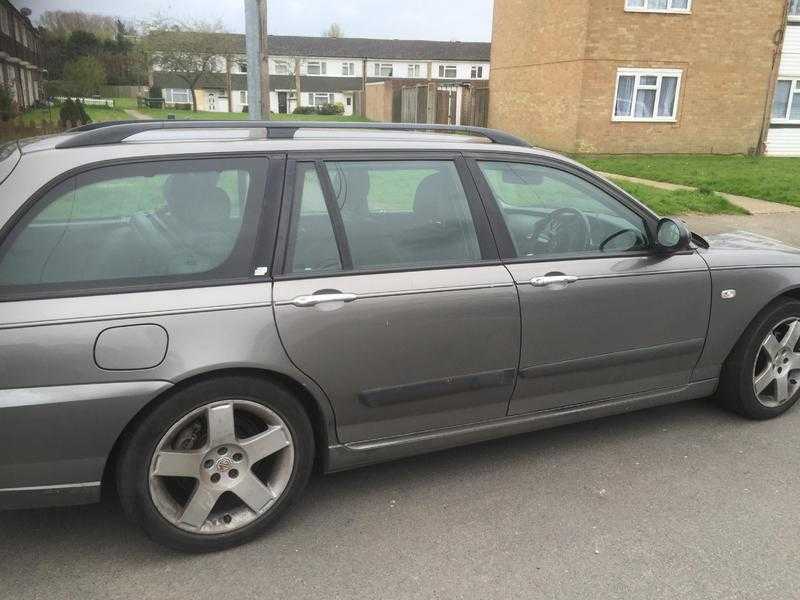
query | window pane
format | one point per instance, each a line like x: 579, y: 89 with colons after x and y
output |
x: 680, y: 4
x: 404, y: 213
x: 657, y: 4
x: 648, y: 80
x: 666, y: 102
x: 135, y: 221
x: 312, y: 244
x: 635, y: 3
x: 622, y: 107
x: 549, y: 211
x: 780, y: 105
x: 794, y: 114
x: 645, y: 103
x: 794, y: 8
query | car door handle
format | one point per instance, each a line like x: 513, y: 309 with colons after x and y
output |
x: 553, y: 280
x: 316, y: 299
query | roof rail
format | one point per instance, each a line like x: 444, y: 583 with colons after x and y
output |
x: 115, y: 132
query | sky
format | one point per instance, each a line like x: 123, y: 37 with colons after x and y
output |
x: 463, y: 20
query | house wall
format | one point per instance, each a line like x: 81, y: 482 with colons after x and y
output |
x: 784, y: 139
x: 555, y: 85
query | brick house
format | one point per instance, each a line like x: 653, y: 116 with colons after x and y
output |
x: 21, y: 60
x: 648, y: 76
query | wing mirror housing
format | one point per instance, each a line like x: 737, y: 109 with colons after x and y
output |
x: 672, y: 235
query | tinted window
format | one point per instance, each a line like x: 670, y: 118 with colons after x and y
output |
x: 157, y: 220
x: 549, y: 211
x: 404, y: 213
x: 312, y: 247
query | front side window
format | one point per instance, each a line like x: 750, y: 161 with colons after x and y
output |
x: 384, y: 70
x: 317, y: 68
x: 395, y: 214
x: 448, y: 71
x: 646, y: 95
x: 551, y: 212
x: 786, y: 104
x: 679, y: 6
x: 124, y: 224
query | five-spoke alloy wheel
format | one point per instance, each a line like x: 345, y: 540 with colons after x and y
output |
x: 776, y: 372
x: 210, y: 466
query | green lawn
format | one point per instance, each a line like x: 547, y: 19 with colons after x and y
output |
x: 678, y: 202
x: 768, y: 178
x: 96, y: 113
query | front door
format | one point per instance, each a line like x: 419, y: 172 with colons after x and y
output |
x: 389, y: 295
x: 212, y: 101
x: 603, y: 316
x: 283, y: 102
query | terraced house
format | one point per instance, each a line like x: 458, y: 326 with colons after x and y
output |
x: 327, y: 70
x: 20, y: 59
x: 649, y: 76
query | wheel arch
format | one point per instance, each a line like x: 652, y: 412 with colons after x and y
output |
x: 321, y: 417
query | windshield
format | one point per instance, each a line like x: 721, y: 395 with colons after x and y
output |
x: 9, y: 157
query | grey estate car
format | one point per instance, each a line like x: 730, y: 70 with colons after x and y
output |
x: 197, y: 313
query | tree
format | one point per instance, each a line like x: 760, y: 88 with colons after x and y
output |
x: 188, y: 51
x: 62, y: 23
x: 87, y: 74
x: 334, y: 31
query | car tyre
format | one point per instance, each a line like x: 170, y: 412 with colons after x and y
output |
x: 266, y: 417
x: 764, y: 356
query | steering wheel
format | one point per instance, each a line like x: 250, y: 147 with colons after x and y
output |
x: 563, y: 230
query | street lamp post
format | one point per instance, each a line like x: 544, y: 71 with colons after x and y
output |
x: 257, y: 59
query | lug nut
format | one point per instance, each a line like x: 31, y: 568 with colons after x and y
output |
x: 222, y: 450
x: 237, y: 457
x: 208, y: 464
x: 233, y: 473
x: 215, y: 478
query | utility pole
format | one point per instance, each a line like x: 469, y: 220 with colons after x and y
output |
x: 257, y: 59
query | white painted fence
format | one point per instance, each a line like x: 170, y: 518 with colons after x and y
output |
x: 107, y: 102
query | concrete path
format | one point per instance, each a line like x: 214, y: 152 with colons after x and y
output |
x: 752, y: 205
x: 135, y: 114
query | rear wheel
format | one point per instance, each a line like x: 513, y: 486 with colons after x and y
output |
x: 761, y: 379
x: 216, y: 463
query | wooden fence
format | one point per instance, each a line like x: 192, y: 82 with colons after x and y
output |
x: 443, y: 105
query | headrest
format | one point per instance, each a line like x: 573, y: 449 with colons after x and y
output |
x: 193, y: 201
x: 433, y: 200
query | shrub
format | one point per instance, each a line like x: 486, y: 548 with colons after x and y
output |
x: 73, y: 113
x: 305, y: 110
x: 332, y: 109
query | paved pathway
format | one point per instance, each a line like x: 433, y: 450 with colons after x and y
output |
x: 752, y: 205
x: 135, y: 114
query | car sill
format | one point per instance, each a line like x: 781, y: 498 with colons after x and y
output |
x: 48, y: 496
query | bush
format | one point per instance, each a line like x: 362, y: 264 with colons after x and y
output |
x: 73, y: 114
x: 6, y: 103
x: 305, y: 110
x: 332, y: 109
x: 87, y: 74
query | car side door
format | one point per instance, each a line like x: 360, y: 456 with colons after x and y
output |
x: 604, y: 315
x: 389, y: 293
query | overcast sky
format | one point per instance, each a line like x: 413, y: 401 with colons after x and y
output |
x: 464, y: 20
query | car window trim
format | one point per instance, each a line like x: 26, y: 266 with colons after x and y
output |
x: 260, y: 235
x: 486, y: 242
x: 508, y: 251
x: 335, y: 215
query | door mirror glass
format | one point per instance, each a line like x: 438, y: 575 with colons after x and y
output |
x: 673, y: 235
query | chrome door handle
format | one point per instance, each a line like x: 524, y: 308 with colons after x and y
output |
x: 553, y: 280
x: 314, y: 300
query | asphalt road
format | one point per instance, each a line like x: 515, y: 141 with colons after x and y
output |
x: 685, y: 501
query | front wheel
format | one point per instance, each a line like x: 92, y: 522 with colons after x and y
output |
x: 761, y: 379
x: 213, y: 465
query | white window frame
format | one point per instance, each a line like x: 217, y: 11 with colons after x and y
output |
x: 330, y: 98
x: 321, y: 65
x: 443, y: 71
x: 639, y: 73
x: 414, y: 71
x: 794, y: 16
x: 348, y: 69
x: 669, y: 9
x: 476, y: 72
x: 795, y: 89
x: 243, y: 97
x: 171, y: 93
x: 282, y: 67
x: 379, y: 68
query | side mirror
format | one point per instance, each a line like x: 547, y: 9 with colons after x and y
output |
x: 672, y: 236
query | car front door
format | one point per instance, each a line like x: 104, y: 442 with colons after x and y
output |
x: 390, y: 295
x: 603, y: 315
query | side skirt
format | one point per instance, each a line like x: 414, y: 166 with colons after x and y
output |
x: 349, y: 456
x: 49, y: 496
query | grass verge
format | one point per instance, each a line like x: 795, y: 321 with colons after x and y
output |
x: 680, y: 202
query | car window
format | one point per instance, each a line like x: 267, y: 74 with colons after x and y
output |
x: 550, y: 212
x: 171, y: 220
x: 404, y: 213
x: 312, y: 243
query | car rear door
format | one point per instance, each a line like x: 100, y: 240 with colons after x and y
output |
x: 602, y: 317
x: 389, y: 293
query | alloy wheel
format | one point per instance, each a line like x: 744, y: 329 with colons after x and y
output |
x: 776, y: 373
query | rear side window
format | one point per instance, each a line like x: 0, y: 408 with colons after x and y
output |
x: 393, y: 214
x: 155, y: 221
